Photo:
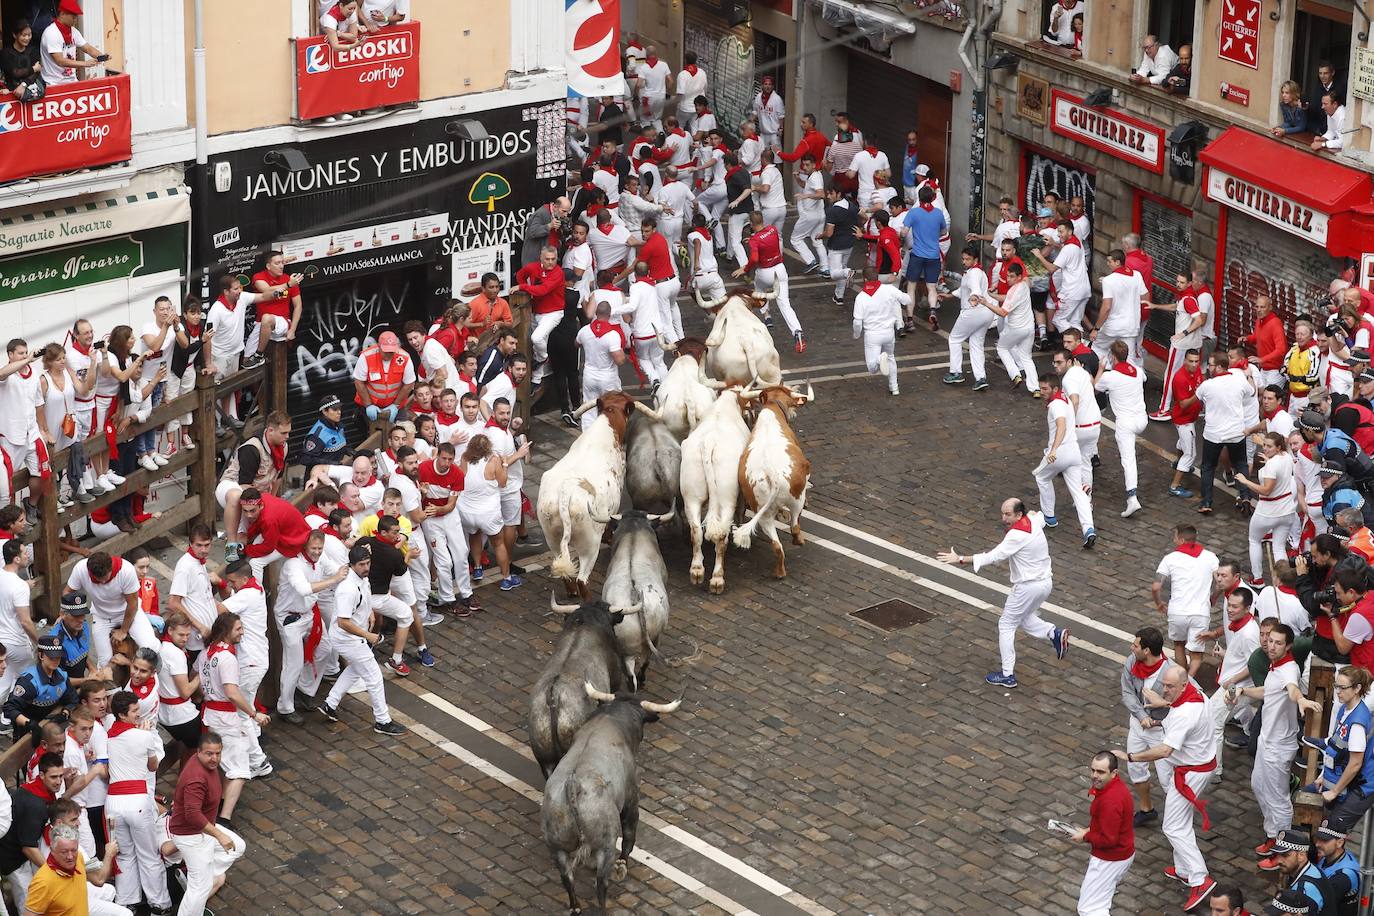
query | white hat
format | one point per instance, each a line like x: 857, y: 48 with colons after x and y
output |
x: 922, y: 169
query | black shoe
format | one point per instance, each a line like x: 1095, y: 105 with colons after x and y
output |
x: 329, y: 712
x: 1144, y: 817
x: 838, y: 300
x: 1237, y: 741
x: 294, y: 717
x: 1096, y: 462
x: 252, y: 362
x: 225, y: 822
x: 812, y: 267
x: 388, y: 728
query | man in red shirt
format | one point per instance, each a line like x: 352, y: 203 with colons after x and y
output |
x: 276, y: 529
x: 206, y: 848
x: 1185, y: 409
x: 812, y: 143
x: 885, y: 245
x: 1110, y: 835
x: 1139, y: 261
x: 543, y: 281
x: 279, y: 312
x: 770, y: 275
x: 655, y: 253
x: 1269, y: 342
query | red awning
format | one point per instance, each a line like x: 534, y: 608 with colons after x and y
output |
x: 1351, y: 234
x: 1308, y: 178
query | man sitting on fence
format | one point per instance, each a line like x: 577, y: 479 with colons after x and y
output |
x: 111, y: 585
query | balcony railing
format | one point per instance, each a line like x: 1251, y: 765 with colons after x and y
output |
x: 74, y: 126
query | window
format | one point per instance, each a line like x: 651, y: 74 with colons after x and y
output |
x: 1320, y: 34
x: 1062, y: 23
x: 1171, y: 21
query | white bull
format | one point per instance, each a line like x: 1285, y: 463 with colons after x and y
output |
x: 686, y: 394
x: 739, y: 349
x: 710, y: 481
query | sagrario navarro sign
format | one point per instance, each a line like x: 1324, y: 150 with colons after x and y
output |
x: 380, y: 70
x: 1116, y: 134
x: 1275, y: 209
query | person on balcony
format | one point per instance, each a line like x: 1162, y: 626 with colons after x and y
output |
x: 339, y: 24
x: 61, y: 42
x: 1180, y: 78
x: 1334, y: 137
x: 1156, y: 62
x: 1060, y: 30
x: 1327, y: 81
x: 1292, y: 110
x: 19, y: 64
x: 378, y: 14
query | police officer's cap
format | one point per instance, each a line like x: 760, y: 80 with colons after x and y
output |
x: 1289, y: 901
x: 359, y: 553
x: 330, y: 402
x: 1312, y: 419
x: 1292, y: 840
x: 1359, y: 356
x: 1327, y: 832
x: 76, y: 604
x: 50, y: 645
x: 1329, y: 467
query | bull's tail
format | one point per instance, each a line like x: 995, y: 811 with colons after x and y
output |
x: 551, y: 701
x: 750, y: 364
x: 768, y: 508
x: 563, y: 566
x: 717, y: 520
x: 570, y: 797
x: 717, y: 335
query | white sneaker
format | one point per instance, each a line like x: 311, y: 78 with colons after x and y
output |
x: 161, y: 459
x: 431, y: 619
x: 147, y: 463
x: 882, y: 363
x: 1132, y: 507
x: 113, y: 479
x: 186, y: 441
x: 99, y: 487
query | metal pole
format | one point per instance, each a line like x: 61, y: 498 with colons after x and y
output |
x: 1366, y: 871
x: 199, y: 275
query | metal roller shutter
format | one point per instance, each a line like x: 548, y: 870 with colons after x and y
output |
x: 1264, y: 260
x: 887, y: 101
x: 1166, y: 235
x: 728, y: 56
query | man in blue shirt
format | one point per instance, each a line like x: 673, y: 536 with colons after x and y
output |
x: 1340, y: 867
x: 909, y: 162
x: 925, y: 224
x: 1299, y: 874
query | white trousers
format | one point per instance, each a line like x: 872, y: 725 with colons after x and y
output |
x: 1269, y: 377
x: 668, y: 310
x: 1138, y: 739
x: 970, y: 328
x: 394, y: 607
x: 1014, y: 349
x: 1021, y: 611
x: 806, y: 234
x: 594, y: 385
x: 448, y: 545
x: 709, y: 286
x: 1102, y: 346
x: 1177, y: 823
x: 205, y: 861
x: 539, y: 340
x: 1087, y: 437
x: 1070, y: 465
x: 1187, y: 446
x: 650, y: 355
x: 1279, y: 527
x: 1070, y: 313
x: 361, y: 665
x: 1269, y: 781
x: 774, y: 216
x: 1127, y: 429
x: 877, y: 343
x: 839, y: 269
x: 419, y: 571
x: 250, y: 679
x: 1243, y: 711
x: 671, y: 229
x: 296, y: 672
x: 767, y: 279
x: 1099, y: 885
x: 1171, y: 366
x: 259, y: 564
x: 141, y: 633
x: 711, y: 201
x: 98, y: 900
x: 133, y: 822
x: 737, y: 223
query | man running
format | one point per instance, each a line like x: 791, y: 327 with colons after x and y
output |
x: 1062, y: 457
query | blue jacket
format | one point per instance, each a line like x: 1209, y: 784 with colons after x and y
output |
x: 1338, y: 752
x: 75, y: 649
x: 325, y: 444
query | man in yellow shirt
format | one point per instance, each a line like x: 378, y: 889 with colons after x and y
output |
x: 59, y: 888
x: 391, y: 505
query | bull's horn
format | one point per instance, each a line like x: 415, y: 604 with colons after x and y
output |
x: 583, y: 409
x: 713, y: 383
x: 665, y: 517
x: 810, y: 393
x: 594, y: 694
x: 666, y: 344
x: 561, y: 608
x: 770, y: 295
x: 750, y: 394
x: 661, y: 708
x: 627, y: 608
x: 647, y: 410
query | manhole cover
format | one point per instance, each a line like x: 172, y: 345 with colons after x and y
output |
x: 892, y: 615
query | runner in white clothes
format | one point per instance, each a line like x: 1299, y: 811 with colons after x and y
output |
x: 1070, y: 271
x: 690, y: 83
x: 1189, y: 319
x: 603, y: 346
x: 1241, y: 634
x: 1124, y: 385
x: 1062, y: 458
x: 249, y: 603
x: 770, y: 275
x: 354, y: 640
x: 441, y: 480
x: 18, y: 634
x: 1276, y: 512
x: 301, y: 623
x: 707, y: 285
x: 226, y: 710
x: 111, y: 585
x: 771, y: 191
x: 877, y: 318
x: 1184, y: 759
x: 134, y: 754
x: 175, y: 685
x: 1028, y: 557
x: 646, y: 325
x: 1118, y: 317
x: 971, y: 327
x: 1187, y: 570
x: 809, y: 195
x: 1016, y: 334
x: 769, y: 114
x: 1077, y: 384
x: 191, y: 592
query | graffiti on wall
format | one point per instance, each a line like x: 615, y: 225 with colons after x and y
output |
x: 730, y: 64
x: 1262, y: 260
x: 1044, y: 174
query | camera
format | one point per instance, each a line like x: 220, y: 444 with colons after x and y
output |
x: 1326, y: 600
x: 98, y: 345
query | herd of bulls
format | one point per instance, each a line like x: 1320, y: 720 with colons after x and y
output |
x: 694, y: 449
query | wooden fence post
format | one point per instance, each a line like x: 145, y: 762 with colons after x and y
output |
x: 202, y: 473
x: 277, y: 358
x: 523, y: 324
x: 49, y: 547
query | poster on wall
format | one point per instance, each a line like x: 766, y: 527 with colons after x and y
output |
x: 1239, y: 41
x: 74, y: 126
x: 593, y: 50
x: 469, y: 264
x: 380, y: 70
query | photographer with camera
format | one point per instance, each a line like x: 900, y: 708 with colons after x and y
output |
x: 1316, y: 576
x: 1350, y: 610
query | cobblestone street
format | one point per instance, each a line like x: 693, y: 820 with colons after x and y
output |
x: 818, y: 764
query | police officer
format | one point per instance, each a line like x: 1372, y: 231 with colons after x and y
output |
x: 327, y: 443
x: 74, y: 634
x: 40, y: 689
x: 1340, y: 867
x: 1300, y: 874
x: 1290, y: 901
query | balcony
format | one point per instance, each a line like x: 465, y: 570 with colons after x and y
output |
x: 74, y: 126
x: 381, y: 71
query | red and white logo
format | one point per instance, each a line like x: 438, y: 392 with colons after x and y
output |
x: 85, y: 105
x: 376, y: 51
x: 593, y: 50
x: 11, y: 117
x: 1240, y: 21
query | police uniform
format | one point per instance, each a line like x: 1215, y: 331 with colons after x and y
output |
x: 76, y: 648
x: 1343, y: 874
x: 326, y: 443
x: 36, y: 693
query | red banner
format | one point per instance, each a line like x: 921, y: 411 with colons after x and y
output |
x: 1239, y: 41
x: 380, y: 70
x: 73, y: 126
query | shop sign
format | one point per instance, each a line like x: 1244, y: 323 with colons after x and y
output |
x: 1240, y: 20
x: 74, y: 126
x: 1274, y: 209
x: 381, y: 69
x: 1135, y: 141
x: 66, y: 268
x: 364, y: 239
x: 1362, y: 74
x: 1230, y: 92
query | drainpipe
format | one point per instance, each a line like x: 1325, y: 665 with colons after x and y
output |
x: 200, y: 200
x: 978, y: 147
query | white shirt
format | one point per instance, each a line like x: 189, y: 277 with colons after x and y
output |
x: 1275, y: 602
x: 609, y: 248
x: 1157, y: 68
x: 880, y: 311
x: 53, y: 74
x: 1024, y: 548
x: 352, y: 601
x: 674, y: 195
x: 1283, y: 500
x: 229, y: 325
x: 499, y: 387
x: 1279, y: 729
x: 19, y: 398
x: 109, y: 600
x: 1335, y: 125
x: 328, y: 21
x: 1077, y: 381
x: 1082, y: 228
x: 1190, y: 582
x: 1281, y: 422
x: 974, y: 285
x: 655, y: 78
x: 1072, y: 280
x: 750, y: 149
x: 608, y: 180
x: 812, y: 206
x: 14, y: 601
x: 74, y: 756
x: 1006, y: 229
x: 644, y: 307
x: 1018, y: 306
x: 215, y: 673
x: 598, y: 351
x: 173, y: 663
x: 579, y: 257
x: 1240, y: 644
x: 1208, y: 304
x: 129, y: 753
x: 689, y: 86
x: 1125, y: 393
x: 1126, y: 292
x: 1057, y: 409
x: 434, y: 357
x: 1224, y: 398
x: 387, y: 8
x: 864, y: 166
x: 1186, y: 309
x: 769, y: 114
x: 191, y: 583
x: 702, y: 124
x: 410, y: 492
x: 681, y: 145
x: 503, y: 444
x: 1189, y: 730
x: 775, y: 197
x: 703, y: 251
x: 295, y: 595
x: 251, y: 606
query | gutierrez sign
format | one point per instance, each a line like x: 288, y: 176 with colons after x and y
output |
x: 1274, y: 209
x: 1132, y: 140
x: 380, y: 70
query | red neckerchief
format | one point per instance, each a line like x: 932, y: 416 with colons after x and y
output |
x: 1124, y: 271
x: 189, y: 554
x: 1125, y: 369
x: 1081, y: 349
x: 116, y: 563
x: 338, y: 14
x: 1242, y: 363
x: 278, y: 456
x: 609, y: 167
x: 1270, y: 414
x: 1191, y: 549
x: 927, y: 206
x: 1203, y: 288
x: 606, y: 228
x: 446, y: 419
x: 691, y: 68
x: 26, y: 372
x: 1287, y: 590
x: 911, y: 147
x: 1057, y: 396
x: 66, y: 31
x: 871, y: 287
x: 1143, y: 671
x: 651, y: 61
x: 648, y: 280
x: 593, y: 209
x: 872, y: 151
x: 722, y: 147
x: 252, y: 583
x: 600, y: 327
x: 226, y: 303
x: 390, y: 454
x: 370, y: 481
x: 678, y: 132
x: 329, y: 529
x: 765, y: 94
x: 1190, y: 694
x: 491, y: 423
x: 214, y: 650
x: 1235, y: 627
x: 120, y: 727
x: 76, y: 345
x: 315, y: 512
x: 1073, y: 240
x: 1022, y: 524
x: 52, y: 863
x: 732, y: 170
x: 142, y: 691
x: 1288, y: 657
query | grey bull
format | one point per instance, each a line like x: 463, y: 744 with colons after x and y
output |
x: 653, y: 463
x: 638, y: 577
x: 592, y: 798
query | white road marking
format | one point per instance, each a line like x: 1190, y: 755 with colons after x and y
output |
x: 699, y: 846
